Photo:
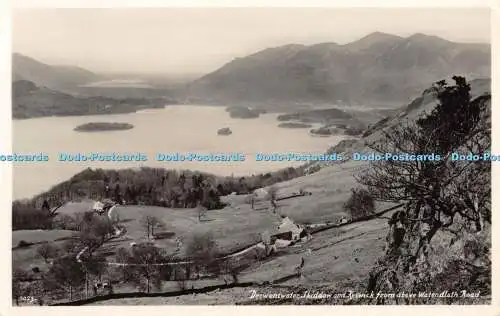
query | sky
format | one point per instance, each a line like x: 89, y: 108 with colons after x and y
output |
x: 200, y: 40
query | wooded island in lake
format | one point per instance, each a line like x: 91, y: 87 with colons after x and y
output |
x: 103, y: 126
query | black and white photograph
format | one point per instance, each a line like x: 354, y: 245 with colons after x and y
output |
x: 251, y: 156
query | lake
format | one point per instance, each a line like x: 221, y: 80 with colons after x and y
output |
x: 174, y: 129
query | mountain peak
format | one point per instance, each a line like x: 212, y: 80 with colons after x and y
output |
x: 18, y: 57
x: 276, y: 52
x: 50, y: 76
x: 420, y: 37
x: 373, y: 39
x: 379, y: 36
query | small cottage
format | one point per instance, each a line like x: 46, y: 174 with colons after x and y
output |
x: 293, y: 230
x: 102, y: 207
x: 260, y: 193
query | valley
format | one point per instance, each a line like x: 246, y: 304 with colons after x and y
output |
x: 196, y: 109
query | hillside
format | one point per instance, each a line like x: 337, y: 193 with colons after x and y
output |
x: 81, y: 82
x: 63, y: 78
x: 377, y: 69
x: 120, y: 89
x: 353, y: 256
x: 30, y: 100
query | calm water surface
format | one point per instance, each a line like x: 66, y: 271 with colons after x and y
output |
x: 173, y: 129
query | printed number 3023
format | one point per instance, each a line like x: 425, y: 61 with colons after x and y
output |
x: 28, y: 299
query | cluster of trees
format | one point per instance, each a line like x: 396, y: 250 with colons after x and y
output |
x: 441, y: 197
x: 146, y: 266
x: 150, y: 223
x: 27, y: 216
x: 66, y: 273
x: 143, y: 266
x: 148, y: 186
x: 360, y: 204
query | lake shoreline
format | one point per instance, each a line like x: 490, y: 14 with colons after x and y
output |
x: 182, y: 129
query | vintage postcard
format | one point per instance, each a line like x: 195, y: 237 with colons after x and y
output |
x: 174, y: 156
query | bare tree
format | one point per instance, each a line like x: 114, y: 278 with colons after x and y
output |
x: 145, y: 260
x: 93, y: 265
x: 47, y: 251
x: 182, y: 282
x: 202, y: 248
x: 123, y: 271
x: 230, y: 266
x: 435, y: 190
x: 103, y: 228
x: 438, y: 192
x: 202, y: 211
x: 146, y: 224
x: 272, y: 197
x: 67, y: 273
x: 360, y: 204
x: 150, y: 223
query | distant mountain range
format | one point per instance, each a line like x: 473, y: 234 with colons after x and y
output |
x: 377, y: 69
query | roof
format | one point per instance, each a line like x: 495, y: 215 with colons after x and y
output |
x: 289, y: 226
x: 98, y: 206
x: 261, y: 192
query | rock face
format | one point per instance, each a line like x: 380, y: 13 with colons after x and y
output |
x: 224, y: 131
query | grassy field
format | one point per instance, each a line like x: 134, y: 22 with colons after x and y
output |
x: 330, y: 188
x: 26, y: 258
x: 232, y: 228
x: 237, y: 225
x: 334, y: 255
x: 39, y: 236
x: 73, y: 208
x: 337, y: 256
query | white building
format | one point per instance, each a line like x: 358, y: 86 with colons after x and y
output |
x: 98, y: 207
x: 260, y: 193
x: 289, y: 226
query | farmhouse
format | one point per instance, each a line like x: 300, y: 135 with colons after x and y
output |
x: 288, y: 232
x: 102, y: 207
x: 290, y: 229
x: 260, y: 193
x: 98, y: 207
